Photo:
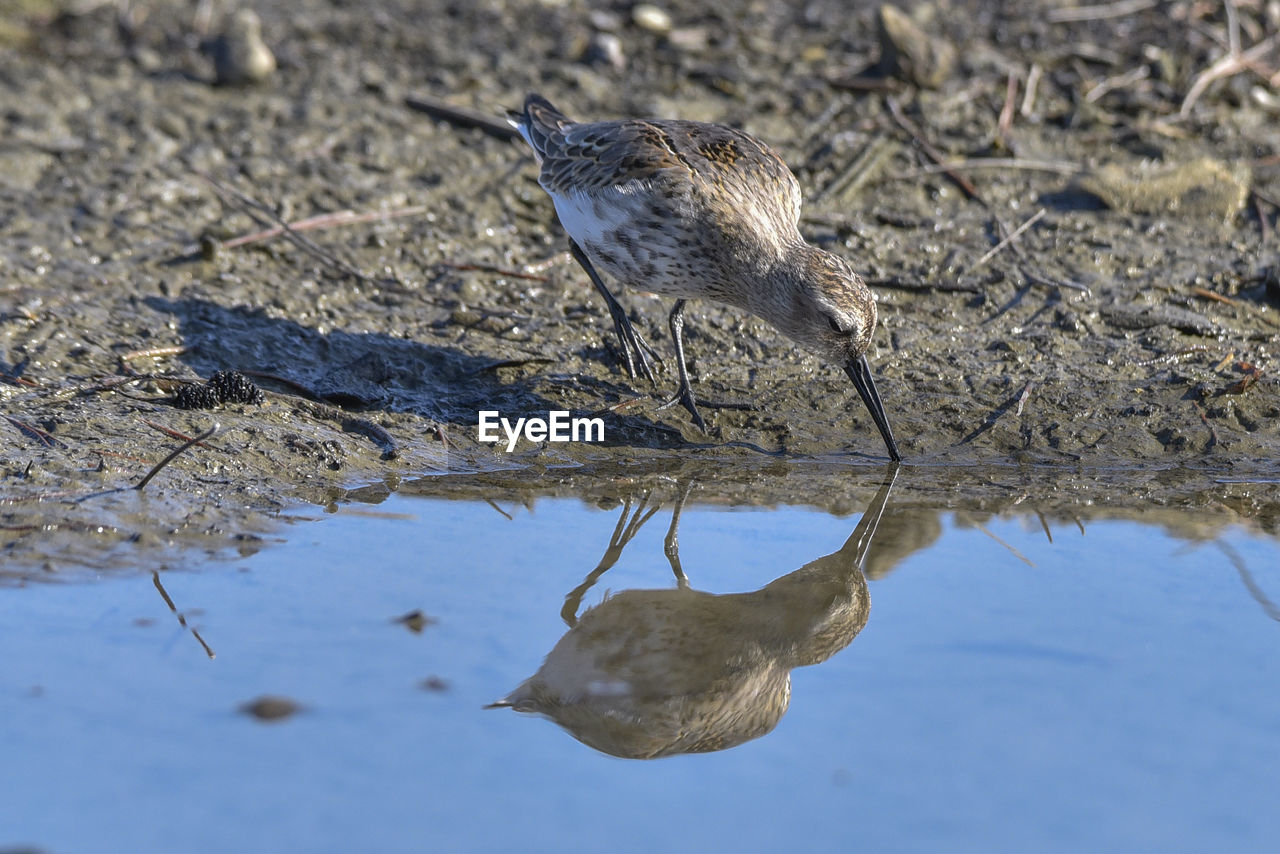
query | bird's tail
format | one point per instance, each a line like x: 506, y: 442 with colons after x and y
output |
x: 537, y: 121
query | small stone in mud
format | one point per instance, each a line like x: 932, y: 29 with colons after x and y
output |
x: 270, y: 708
x: 415, y: 621
x: 1200, y: 188
x: 240, y: 56
x: 909, y: 53
x: 652, y: 18
x: 605, y: 49
x: 434, y: 684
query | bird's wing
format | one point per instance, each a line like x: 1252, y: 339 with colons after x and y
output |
x: 593, y: 156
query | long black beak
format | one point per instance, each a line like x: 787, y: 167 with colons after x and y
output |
x: 860, y: 372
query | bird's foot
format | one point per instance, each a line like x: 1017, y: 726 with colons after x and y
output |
x: 635, y: 350
x: 684, y: 397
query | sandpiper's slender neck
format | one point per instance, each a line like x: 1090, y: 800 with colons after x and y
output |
x: 780, y: 273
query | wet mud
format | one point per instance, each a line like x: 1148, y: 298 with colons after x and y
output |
x: 1116, y: 352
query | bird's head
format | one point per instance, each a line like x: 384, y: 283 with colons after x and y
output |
x: 833, y: 315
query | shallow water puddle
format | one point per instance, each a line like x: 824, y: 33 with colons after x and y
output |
x: 1110, y: 688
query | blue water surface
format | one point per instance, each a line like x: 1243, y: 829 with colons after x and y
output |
x: 1114, y: 689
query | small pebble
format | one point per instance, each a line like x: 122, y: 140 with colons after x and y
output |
x: 909, y: 53
x: 604, y: 21
x: 1265, y: 98
x: 605, y: 49
x: 689, y: 38
x: 271, y: 708
x: 652, y: 18
x: 239, y: 54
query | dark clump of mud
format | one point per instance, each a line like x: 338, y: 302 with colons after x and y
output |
x: 1131, y: 325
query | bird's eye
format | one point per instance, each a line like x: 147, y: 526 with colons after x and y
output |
x: 835, y: 325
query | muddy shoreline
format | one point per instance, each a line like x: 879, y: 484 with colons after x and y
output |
x: 1118, y: 353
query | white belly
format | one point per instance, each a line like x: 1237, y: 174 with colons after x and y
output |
x: 590, y: 220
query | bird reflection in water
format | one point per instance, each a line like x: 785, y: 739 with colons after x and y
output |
x: 650, y: 673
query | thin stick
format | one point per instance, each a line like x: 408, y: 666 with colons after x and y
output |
x: 1006, y: 114
x: 154, y: 352
x: 182, y: 619
x: 490, y: 268
x: 860, y: 170
x: 10, y: 378
x: 461, y: 116
x: 45, y: 438
x: 205, y: 435
x: 258, y: 210
x: 442, y: 436
x: 1268, y: 607
x: 1012, y: 237
x: 1097, y: 13
x: 171, y: 433
x: 1029, y: 96
x: 495, y: 506
x: 1208, y: 294
x: 1019, y: 555
x: 1032, y: 275
x: 1022, y: 399
x: 1233, y: 26
x: 1060, y: 167
x: 932, y: 153
x: 1227, y: 66
x: 1120, y: 81
x: 1044, y: 523
x: 322, y: 221
x: 1056, y: 283
x: 548, y: 263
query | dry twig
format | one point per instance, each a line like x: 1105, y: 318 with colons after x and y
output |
x: 42, y: 436
x: 1060, y: 167
x: 1212, y: 295
x: 490, y: 268
x: 895, y: 109
x: 1067, y: 14
x: 321, y: 221
x: 1022, y: 399
x: 991, y: 253
x: 461, y: 116
x: 1228, y: 66
x: 265, y: 213
x: 182, y: 619
x: 170, y: 432
x: 1006, y: 113
x: 1029, y: 96
x: 208, y: 434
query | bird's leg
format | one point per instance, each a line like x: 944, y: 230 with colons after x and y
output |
x: 684, y: 394
x: 671, y: 545
x: 628, y: 526
x: 634, y: 348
